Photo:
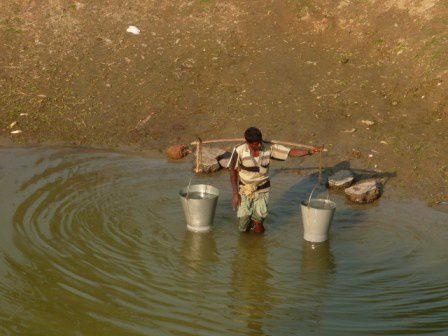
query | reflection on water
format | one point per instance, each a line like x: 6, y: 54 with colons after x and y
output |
x: 199, y: 249
x: 251, y: 291
x: 316, y: 269
x: 317, y: 263
x: 95, y: 243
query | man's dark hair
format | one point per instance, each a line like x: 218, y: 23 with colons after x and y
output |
x: 253, y: 134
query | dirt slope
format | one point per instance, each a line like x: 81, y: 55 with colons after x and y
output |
x: 308, y: 71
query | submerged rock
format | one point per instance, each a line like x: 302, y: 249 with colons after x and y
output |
x: 362, y: 192
x: 342, y: 179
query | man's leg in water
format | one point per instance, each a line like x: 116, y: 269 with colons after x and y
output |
x: 260, y: 211
x: 253, y: 212
x: 244, y: 214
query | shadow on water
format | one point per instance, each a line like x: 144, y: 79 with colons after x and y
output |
x: 250, y: 288
x: 312, y: 275
x: 283, y: 210
x: 360, y: 174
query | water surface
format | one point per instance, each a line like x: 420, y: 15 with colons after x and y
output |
x: 94, y: 243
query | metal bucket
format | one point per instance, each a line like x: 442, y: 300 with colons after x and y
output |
x: 199, y: 204
x: 317, y: 215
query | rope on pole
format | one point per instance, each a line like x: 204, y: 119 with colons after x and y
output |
x: 198, y: 155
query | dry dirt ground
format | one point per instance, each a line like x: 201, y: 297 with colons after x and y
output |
x: 306, y: 71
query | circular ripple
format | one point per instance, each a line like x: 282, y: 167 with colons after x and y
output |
x: 99, y: 243
x: 100, y: 226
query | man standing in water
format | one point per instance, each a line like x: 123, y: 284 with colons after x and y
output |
x: 249, y: 167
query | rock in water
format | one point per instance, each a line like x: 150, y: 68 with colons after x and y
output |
x: 365, y: 191
x: 342, y: 179
x: 209, y: 161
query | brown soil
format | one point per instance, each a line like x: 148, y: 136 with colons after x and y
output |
x: 307, y: 71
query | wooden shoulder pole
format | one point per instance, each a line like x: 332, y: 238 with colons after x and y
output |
x: 285, y: 143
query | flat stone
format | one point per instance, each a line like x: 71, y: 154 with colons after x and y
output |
x: 210, y: 159
x: 342, y: 179
x: 363, y: 192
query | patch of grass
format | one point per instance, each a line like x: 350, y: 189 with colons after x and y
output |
x: 68, y: 92
x: 32, y: 88
x: 13, y: 30
x: 435, y: 41
x: 439, y: 53
x: 16, y: 8
x: 342, y: 82
x: 416, y: 147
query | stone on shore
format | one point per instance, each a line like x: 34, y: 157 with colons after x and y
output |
x: 177, y: 152
x: 342, y: 179
x: 210, y: 159
x: 363, y: 192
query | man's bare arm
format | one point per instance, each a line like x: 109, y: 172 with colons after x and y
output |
x: 234, y: 180
x: 301, y: 152
x: 298, y: 153
x: 236, y: 198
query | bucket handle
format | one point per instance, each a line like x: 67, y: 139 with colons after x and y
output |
x: 188, y: 187
x: 186, y: 199
x: 312, y: 191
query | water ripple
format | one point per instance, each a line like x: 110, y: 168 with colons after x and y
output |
x: 95, y: 242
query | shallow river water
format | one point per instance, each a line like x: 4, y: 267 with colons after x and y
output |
x: 94, y: 243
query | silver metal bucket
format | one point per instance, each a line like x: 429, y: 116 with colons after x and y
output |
x: 317, y: 215
x: 199, y: 204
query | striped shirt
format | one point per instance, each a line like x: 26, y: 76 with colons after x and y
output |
x: 254, y: 170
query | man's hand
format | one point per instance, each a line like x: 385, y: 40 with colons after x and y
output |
x: 236, y: 201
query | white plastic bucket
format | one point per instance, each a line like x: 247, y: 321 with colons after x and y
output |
x: 317, y: 215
